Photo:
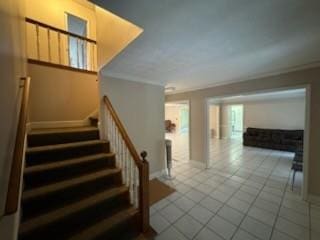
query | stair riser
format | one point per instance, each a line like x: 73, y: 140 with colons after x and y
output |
x: 45, y: 203
x: 59, y: 138
x: 71, y: 224
x: 34, y: 158
x: 42, y: 178
x: 118, y: 233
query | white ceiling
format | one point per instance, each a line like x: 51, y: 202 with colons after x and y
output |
x: 285, y: 94
x: 191, y: 44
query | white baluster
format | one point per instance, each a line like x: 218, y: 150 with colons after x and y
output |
x: 49, y: 45
x: 59, y: 47
x: 125, y: 167
x: 107, y: 125
x: 38, y: 42
x: 112, y: 136
x: 119, y: 147
x: 135, y: 183
x: 131, y: 179
x: 121, y: 159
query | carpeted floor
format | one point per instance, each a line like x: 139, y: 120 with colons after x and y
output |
x: 158, y: 191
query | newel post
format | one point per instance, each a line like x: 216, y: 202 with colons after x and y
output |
x: 144, y: 193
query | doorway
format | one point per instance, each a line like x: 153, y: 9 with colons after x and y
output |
x: 236, y: 121
x: 77, y: 47
x: 177, y: 123
x: 278, y: 109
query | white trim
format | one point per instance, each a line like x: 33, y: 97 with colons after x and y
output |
x: 306, y: 144
x: 187, y: 102
x: 197, y: 164
x: 314, y: 199
x: 124, y: 78
x: 207, y: 133
x: 62, y: 124
x: 93, y: 114
x: 59, y: 124
x: 157, y: 174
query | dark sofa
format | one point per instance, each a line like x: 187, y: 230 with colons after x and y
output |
x: 286, y: 140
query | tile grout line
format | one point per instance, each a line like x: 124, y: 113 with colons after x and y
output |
x: 237, y: 189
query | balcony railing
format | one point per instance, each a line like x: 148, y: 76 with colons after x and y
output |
x: 51, y: 45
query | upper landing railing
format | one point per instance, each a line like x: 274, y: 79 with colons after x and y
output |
x: 53, y: 46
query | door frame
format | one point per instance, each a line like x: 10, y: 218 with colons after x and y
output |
x: 187, y: 102
x: 230, y: 127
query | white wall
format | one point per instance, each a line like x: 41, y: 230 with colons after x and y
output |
x: 273, y: 114
x: 141, y: 109
x: 277, y: 114
x: 12, y: 67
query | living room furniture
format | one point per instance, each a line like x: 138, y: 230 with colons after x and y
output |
x: 285, y: 140
x: 170, y: 126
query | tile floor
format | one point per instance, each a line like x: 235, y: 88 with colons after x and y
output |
x: 245, y: 195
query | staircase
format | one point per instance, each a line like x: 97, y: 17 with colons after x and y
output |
x: 73, y: 189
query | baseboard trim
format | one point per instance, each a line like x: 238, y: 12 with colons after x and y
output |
x: 197, y: 164
x: 59, y: 124
x: 157, y: 174
x: 314, y: 199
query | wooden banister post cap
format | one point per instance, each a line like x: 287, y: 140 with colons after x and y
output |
x: 144, y: 154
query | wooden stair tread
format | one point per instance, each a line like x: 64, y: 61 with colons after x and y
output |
x: 67, y: 183
x: 103, y: 226
x: 64, y: 163
x: 61, y: 130
x: 64, y: 146
x: 60, y: 213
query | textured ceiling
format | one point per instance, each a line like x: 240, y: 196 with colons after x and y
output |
x: 191, y: 44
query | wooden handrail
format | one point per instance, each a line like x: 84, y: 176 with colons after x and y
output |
x: 123, y: 132
x: 35, y: 22
x: 12, y: 202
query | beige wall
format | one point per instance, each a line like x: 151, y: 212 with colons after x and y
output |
x: 52, y: 12
x: 12, y: 67
x: 214, y: 121
x: 286, y: 113
x: 275, y: 114
x: 61, y: 95
x: 141, y: 109
x: 309, y: 77
x: 113, y: 35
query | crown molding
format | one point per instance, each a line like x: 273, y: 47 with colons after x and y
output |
x: 264, y: 75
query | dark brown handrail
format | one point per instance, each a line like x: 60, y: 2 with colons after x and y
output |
x: 16, y: 167
x: 123, y: 132
x: 142, y: 165
x: 35, y: 22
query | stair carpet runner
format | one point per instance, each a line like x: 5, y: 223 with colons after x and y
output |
x: 73, y: 190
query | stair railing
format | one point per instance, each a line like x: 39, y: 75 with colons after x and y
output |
x: 14, y: 185
x: 52, y: 46
x: 135, y: 169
